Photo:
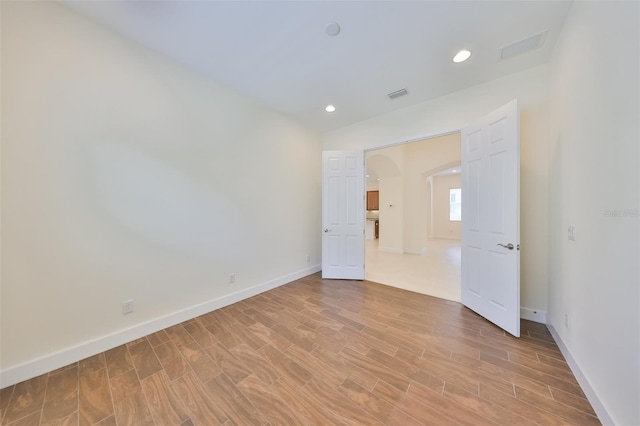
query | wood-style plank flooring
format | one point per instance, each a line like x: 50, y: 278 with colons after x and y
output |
x: 316, y: 352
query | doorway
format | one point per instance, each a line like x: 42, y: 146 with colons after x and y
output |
x: 418, y: 248
x: 490, y: 274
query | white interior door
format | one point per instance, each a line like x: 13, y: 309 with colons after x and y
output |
x: 343, y: 214
x: 491, y: 217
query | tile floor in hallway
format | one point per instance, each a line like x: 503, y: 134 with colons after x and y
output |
x: 435, y: 273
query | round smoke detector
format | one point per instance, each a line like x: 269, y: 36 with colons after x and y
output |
x: 332, y: 29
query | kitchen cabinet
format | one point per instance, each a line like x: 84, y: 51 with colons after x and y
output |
x: 373, y: 200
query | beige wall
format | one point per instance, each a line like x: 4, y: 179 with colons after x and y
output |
x: 389, y: 166
x: 423, y: 159
x: 125, y: 176
x: 451, y: 113
x: 594, y: 165
x: 413, y: 163
x: 442, y: 226
x: 391, y: 214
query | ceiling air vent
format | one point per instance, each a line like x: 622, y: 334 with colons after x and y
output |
x: 526, y: 44
x: 397, y: 93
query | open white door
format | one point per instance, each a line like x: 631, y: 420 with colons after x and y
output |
x: 491, y: 217
x: 343, y: 214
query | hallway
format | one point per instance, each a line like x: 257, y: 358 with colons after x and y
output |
x: 437, y: 273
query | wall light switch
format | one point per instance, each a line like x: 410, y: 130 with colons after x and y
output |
x: 572, y: 233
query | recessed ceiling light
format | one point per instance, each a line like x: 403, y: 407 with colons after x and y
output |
x: 329, y: 108
x: 461, y: 56
x: 368, y: 176
x: 332, y: 29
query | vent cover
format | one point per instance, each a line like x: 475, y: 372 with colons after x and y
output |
x: 526, y: 44
x: 397, y: 93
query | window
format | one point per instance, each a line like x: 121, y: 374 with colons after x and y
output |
x: 455, y: 204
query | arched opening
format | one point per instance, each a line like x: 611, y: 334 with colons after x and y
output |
x: 418, y: 249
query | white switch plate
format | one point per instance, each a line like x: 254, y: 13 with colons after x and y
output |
x: 572, y: 233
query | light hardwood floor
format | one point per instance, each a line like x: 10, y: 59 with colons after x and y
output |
x: 316, y: 352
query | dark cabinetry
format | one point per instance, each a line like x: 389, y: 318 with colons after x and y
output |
x: 373, y: 200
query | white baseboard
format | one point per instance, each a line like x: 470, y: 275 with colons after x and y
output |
x: 596, y: 403
x: 535, y: 315
x: 38, y: 366
x: 420, y: 251
x: 390, y: 250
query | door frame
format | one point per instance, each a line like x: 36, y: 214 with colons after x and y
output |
x: 430, y: 136
x: 394, y: 144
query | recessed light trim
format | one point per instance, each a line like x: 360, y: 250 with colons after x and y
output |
x: 332, y: 29
x: 330, y: 108
x: 462, y: 56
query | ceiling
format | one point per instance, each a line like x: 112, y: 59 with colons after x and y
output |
x: 278, y: 51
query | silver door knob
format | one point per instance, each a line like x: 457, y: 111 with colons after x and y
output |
x: 327, y: 230
x: 508, y: 246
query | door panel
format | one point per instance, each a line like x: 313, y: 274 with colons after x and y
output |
x: 490, y: 217
x: 343, y: 214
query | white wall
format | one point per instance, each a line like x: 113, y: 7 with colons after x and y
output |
x: 452, y: 112
x: 442, y: 226
x: 594, y: 171
x: 125, y: 176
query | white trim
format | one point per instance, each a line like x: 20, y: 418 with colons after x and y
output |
x: 412, y: 139
x: 596, y: 403
x: 535, y: 315
x: 445, y: 237
x: 89, y: 348
x: 421, y: 251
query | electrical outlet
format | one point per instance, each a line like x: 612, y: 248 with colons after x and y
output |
x: 127, y: 306
x: 566, y: 320
x: 232, y: 278
x: 308, y: 258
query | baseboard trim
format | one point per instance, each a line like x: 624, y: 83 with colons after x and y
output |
x: 535, y: 315
x: 592, y: 396
x: 445, y: 237
x: 38, y: 366
x: 421, y: 251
